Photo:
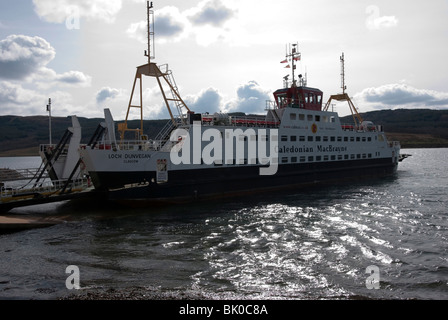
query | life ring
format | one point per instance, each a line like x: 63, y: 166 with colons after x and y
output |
x: 314, y: 128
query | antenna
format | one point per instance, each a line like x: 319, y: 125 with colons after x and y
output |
x: 152, y: 70
x: 293, y: 55
x: 343, y: 86
x: 357, y: 119
x: 150, y: 53
x: 285, y: 81
x: 49, y: 118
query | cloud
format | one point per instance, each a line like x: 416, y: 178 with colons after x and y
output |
x: 209, y: 22
x: 16, y: 100
x: 211, y: 12
x: 46, y: 78
x: 74, y: 78
x: 169, y: 23
x: 25, y: 58
x: 204, y: 21
x: 23, y: 55
x: 251, y: 98
x: 138, y: 31
x: 208, y: 100
x: 28, y: 82
x: 61, y: 10
x: 14, y: 94
x: 401, y: 95
x: 167, y: 26
x: 106, y: 93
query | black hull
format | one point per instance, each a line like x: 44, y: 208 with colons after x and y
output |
x: 192, y: 185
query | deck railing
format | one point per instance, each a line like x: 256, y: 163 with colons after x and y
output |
x: 46, y: 188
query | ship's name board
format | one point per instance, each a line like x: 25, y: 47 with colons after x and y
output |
x: 129, y: 156
x: 305, y: 149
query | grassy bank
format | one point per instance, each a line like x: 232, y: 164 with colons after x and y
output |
x: 25, y: 152
x: 415, y: 141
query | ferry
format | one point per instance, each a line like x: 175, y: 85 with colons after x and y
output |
x: 298, y: 142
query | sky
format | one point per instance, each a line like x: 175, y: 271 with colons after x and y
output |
x: 224, y: 54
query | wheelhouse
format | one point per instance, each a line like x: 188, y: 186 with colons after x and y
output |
x: 299, y: 97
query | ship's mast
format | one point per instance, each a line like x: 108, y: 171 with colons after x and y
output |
x: 343, y: 86
x: 357, y: 119
x: 293, y: 55
x: 164, y: 77
x: 150, y: 32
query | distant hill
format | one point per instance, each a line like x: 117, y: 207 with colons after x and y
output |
x: 423, y: 121
x: 20, y: 136
x: 413, y: 128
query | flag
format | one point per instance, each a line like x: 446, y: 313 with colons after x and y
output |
x: 284, y: 61
x: 288, y: 66
x: 297, y: 58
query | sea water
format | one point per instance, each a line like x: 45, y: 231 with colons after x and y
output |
x: 384, y: 239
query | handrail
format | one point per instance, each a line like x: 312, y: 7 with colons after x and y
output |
x: 46, y: 188
x: 7, y: 174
